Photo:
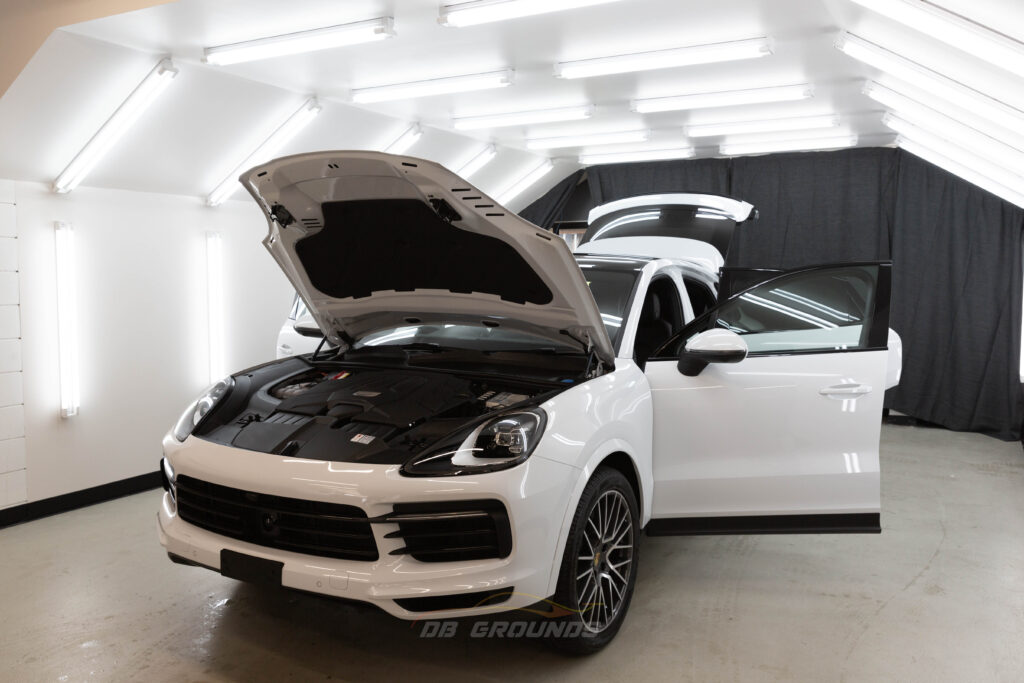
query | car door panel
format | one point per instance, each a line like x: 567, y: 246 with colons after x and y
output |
x: 791, y: 432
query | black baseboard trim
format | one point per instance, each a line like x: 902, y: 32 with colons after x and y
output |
x: 78, y: 499
x: 851, y: 523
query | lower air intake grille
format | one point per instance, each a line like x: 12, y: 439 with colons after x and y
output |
x: 301, y: 526
x: 449, y: 532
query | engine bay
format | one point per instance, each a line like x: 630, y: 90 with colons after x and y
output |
x: 356, y: 414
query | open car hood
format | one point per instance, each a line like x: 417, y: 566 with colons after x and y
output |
x: 372, y: 241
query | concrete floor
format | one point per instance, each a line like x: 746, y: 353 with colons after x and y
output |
x: 938, y: 596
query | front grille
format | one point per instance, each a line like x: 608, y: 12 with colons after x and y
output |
x: 449, y: 532
x: 302, y: 526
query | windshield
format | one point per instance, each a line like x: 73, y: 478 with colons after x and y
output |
x: 611, y: 288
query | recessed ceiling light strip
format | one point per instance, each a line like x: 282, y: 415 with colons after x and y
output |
x: 690, y: 55
x: 960, y: 164
x: 932, y: 81
x: 595, y: 158
x: 923, y: 105
x: 434, y: 86
x: 523, y: 183
x: 763, y: 126
x: 725, y: 98
x: 486, y: 11
x: 116, y: 126
x: 954, y: 30
x: 266, y: 150
x: 523, y: 118
x: 582, y: 140
x: 800, y: 145
x: 409, y: 137
x: 956, y: 149
x: 477, y: 161
x: 301, y: 41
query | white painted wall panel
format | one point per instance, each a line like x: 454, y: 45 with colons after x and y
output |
x: 8, y: 254
x: 12, y: 422
x: 9, y: 294
x: 8, y: 219
x: 142, y: 323
x: 10, y: 355
x: 7, y: 191
x: 12, y: 488
x: 10, y: 389
x: 12, y: 455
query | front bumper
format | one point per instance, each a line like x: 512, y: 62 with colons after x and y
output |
x: 535, y: 495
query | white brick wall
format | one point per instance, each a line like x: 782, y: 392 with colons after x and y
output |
x: 12, y: 410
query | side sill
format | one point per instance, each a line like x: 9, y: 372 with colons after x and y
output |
x: 850, y: 523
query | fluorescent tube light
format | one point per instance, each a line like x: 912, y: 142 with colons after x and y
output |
x: 725, y: 98
x: 486, y: 11
x: 922, y: 106
x: 67, y: 317
x: 119, y: 122
x: 734, y: 149
x: 663, y: 59
x: 524, y: 183
x: 409, y: 137
x: 271, y: 146
x: 434, y: 86
x: 921, y: 117
x: 522, y: 118
x: 956, y: 149
x: 954, y: 30
x: 962, y: 167
x: 478, y: 161
x: 593, y: 159
x: 932, y: 81
x: 301, y: 41
x: 763, y: 126
x: 215, y: 305
x: 589, y: 139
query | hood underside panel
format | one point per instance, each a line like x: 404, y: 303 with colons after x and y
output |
x: 376, y: 245
x: 375, y: 241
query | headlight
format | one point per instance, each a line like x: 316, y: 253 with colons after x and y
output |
x: 500, y: 442
x: 200, y: 408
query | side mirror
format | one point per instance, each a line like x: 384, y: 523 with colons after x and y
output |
x: 307, y: 327
x: 711, y: 346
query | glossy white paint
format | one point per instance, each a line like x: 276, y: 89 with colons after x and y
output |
x: 717, y: 341
x: 759, y: 438
x: 738, y: 210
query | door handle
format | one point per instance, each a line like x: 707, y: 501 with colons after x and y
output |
x: 844, y: 391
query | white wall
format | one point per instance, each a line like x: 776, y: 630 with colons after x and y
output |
x: 142, y: 323
x: 12, y: 423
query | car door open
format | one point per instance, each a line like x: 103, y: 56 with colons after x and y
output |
x: 767, y: 408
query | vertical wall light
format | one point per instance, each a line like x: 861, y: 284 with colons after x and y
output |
x: 267, y: 149
x: 67, y: 318
x: 215, y: 304
x: 116, y: 126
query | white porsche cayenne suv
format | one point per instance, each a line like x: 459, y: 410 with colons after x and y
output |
x: 492, y: 421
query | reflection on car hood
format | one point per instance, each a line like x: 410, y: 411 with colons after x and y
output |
x: 372, y: 241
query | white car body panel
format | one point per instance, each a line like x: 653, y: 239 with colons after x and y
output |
x: 757, y: 437
x: 735, y: 209
x: 303, y: 184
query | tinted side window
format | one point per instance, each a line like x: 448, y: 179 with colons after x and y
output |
x: 814, y: 310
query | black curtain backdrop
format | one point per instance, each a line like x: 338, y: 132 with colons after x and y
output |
x: 956, y: 252
x: 546, y: 210
x: 957, y: 302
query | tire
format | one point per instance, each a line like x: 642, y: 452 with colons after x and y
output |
x: 596, y: 587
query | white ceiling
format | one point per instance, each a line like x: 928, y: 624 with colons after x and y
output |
x: 212, y: 117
